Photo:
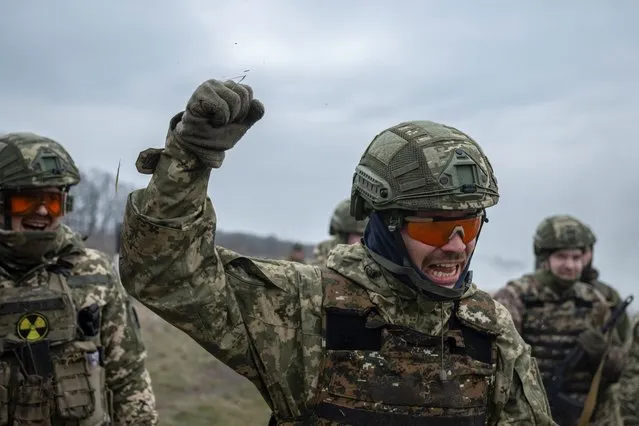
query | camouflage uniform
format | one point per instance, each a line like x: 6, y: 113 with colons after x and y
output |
x: 323, y: 248
x: 70, y: 346
x: 552, y: 313
x: 629, y: 381
x: 342, y: 224
x: 348, y: 343
x: 590, y: 275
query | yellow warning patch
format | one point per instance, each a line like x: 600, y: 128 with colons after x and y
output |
x: 32, y: 327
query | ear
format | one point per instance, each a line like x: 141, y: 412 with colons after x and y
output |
x: 545, y: 264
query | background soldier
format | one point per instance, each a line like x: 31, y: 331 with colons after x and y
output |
x: 553, y: 311
x: 390, y: 332
x: 343, y: 228
x: 297, y: 254
x: 590, y: 275
x: 70, y: 346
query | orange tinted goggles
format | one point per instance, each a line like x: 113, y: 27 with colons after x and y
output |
x: 437, y: 232
x: 26, y: 203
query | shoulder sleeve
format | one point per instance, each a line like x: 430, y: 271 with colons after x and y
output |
x: 519, y: 396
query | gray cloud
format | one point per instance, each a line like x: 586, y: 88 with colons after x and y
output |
x: 549, y: 90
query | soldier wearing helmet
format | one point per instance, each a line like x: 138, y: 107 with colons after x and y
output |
x: 297, y: 253
x: 554, y: 312
x: 590, y: 275
x: 391, y: 331
x: 343, y: 228
x: 70, y: 346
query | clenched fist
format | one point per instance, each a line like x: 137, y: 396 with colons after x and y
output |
x: 216, y: 117
x: 593, y: 342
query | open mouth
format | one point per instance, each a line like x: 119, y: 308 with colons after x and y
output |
x: 443, y: 274
x: 35, y: 225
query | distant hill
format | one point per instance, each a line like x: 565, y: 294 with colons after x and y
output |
x: 251, y: 245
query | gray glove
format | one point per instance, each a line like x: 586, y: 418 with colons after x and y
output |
x: 615, y: 363
x: 216, y: 117
x: 593, y: 343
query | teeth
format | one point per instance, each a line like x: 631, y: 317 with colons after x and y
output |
x: 443, y: 270
x: 440, y: 274
x: 35, y: 225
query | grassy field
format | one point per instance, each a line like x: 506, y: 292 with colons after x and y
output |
x: 193, y: 388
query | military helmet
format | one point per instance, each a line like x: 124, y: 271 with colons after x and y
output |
x: 591, y: 239
x: 343, y: 223
x: 559, y: 232
x: 28, y: 160
x: 422, y: 165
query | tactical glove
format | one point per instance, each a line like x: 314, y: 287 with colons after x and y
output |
x: 216, y: 117
x: 593, y: 343
x: 615, y: 363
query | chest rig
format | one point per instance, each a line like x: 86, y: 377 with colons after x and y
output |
x: 375, y: 373
x: 551, y: 326
x: 51, y: 360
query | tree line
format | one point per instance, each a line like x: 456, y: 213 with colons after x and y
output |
x: 98, y: 208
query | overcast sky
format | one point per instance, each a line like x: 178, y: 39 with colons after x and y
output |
x: 549, y: 89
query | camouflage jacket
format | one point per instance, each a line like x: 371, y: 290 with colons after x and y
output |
x: 629, y: 381
x: 124, y: 353
x: 322, y: 249
x: 264, y: 318
x: 546, y: 339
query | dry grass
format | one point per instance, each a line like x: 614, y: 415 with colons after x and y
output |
x: 192, y: 387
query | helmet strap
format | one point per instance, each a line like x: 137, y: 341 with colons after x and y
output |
x: 6, y: 213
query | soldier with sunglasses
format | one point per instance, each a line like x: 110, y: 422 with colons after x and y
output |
x: 70, y: 346
x: 389, y: 331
